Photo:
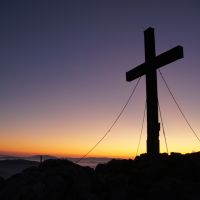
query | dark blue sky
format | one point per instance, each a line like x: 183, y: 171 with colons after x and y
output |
x: 62, y: 60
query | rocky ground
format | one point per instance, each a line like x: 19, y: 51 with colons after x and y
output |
x: 166, y: 177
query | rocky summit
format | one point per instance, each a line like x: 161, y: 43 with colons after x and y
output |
x: 164, y: 177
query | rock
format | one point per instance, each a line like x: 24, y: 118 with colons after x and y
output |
x: 53, y: 179
x: 165, y: 177
x: 2, y: 182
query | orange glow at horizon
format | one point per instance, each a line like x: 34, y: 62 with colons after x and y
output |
x: 116, y: 145
x: 72, y: 136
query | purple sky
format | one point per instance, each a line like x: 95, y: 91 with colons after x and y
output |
x: 63, y: 64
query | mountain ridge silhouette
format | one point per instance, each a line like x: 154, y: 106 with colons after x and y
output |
x: 165, y: 177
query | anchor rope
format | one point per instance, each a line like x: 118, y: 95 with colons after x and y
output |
x: 163, y: 127
x: 113, y: 124
x: 179, y: 108
x: 141, y: 131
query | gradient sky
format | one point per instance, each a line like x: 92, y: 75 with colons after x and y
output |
x: 62, y: 74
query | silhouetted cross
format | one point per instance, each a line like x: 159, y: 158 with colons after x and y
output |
x: 153, y: 62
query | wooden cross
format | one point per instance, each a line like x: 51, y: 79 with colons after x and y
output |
x: 148, y: 68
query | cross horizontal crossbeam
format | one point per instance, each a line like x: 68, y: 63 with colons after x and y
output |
x: 155, y: 63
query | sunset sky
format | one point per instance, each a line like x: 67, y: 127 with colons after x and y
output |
x: 62, y: 75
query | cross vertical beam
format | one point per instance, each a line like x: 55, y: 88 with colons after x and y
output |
x: 153, y: 125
